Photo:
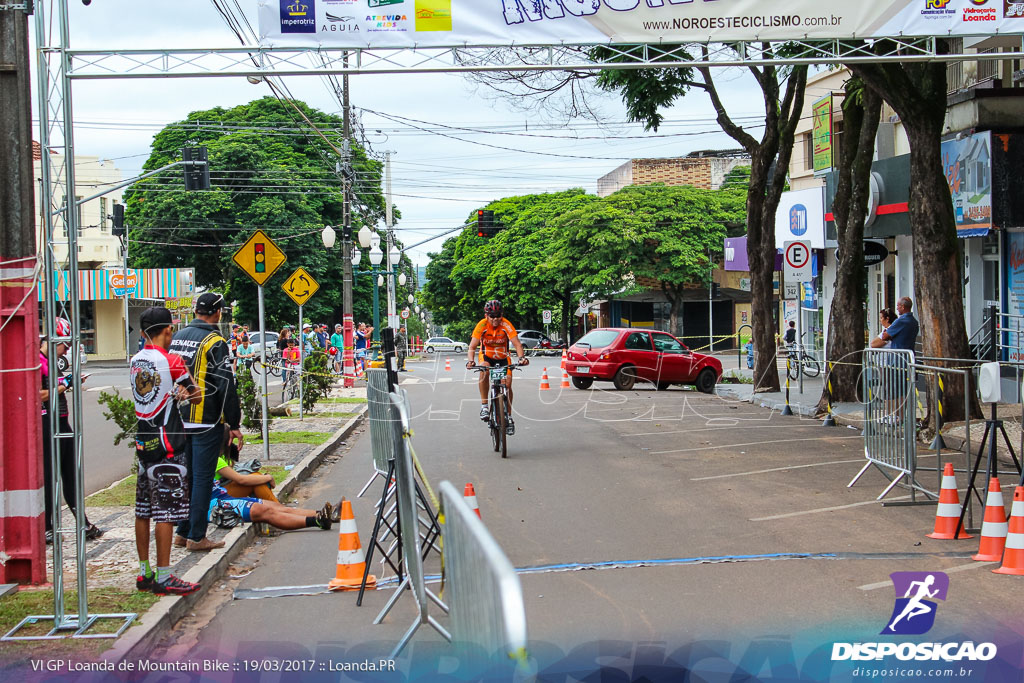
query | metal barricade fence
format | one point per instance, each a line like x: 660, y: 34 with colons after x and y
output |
x: 485, y: 598
x: 379, y: 410
x: 890, y: 413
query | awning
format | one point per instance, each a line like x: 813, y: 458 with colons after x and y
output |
x: 972, y: 232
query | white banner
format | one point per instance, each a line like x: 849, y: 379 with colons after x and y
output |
x: 801, y: 216
x: 434, y: 23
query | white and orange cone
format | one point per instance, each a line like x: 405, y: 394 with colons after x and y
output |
x: 447, y: 365
x: 993, y: 529
x: 1013, y: 555
x: 469, y: 494
x: 565, y: 355
x: 947, y: 514
x: 565, y: 379
x: 544, y: 385
x: 351, y: 560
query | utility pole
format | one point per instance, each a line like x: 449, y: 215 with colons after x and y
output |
x: 348, y: 354
x: 21, y: 478
x: 389, y: 221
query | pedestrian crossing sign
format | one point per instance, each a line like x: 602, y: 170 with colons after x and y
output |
x: 259, y: 257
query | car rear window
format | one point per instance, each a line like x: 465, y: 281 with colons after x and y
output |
x: 598, y: 339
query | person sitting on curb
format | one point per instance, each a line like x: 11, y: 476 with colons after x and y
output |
x: 158, y: 381
x: 238, y: 485
x: 274, y: 513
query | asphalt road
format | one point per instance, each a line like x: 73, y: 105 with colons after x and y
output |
x: 633, y: 477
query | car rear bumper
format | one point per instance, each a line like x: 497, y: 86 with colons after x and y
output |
x: 596, y: 370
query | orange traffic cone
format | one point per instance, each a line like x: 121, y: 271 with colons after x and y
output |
x: 1013, y: 556
x: 565, y: 355
x: 947, y: 515
x: 544, y: 386
x: 447, y: 365
x: 993, y: 529
x: 351, y: 560
x: 470, y: 496
x: 565, y: 379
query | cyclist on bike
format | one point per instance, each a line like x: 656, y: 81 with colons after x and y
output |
x: 494, y: 334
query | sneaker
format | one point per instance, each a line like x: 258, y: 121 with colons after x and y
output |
x: 336, y: 517
x: 510, y: 427
x: 92, y: 531
x: 174, y: 586
x: 205, y: 544
x: 323, y: 517
x: 485, y: 411
x: 180, y: 541
x: 145, y: 583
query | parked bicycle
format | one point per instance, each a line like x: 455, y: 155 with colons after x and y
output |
x: 499, y: 408
x: 800, y: 360
x: 290, y: 390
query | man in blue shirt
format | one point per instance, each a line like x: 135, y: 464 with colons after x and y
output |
x: 903, y: 331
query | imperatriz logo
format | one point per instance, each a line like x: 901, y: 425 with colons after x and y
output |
x: 916, y: 593
x: 298, y: 16
x: 914, y: 613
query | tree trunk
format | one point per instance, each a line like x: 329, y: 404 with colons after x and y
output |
x: 674, y: 295
x: 566, y: 301
x: 850, y: 207
x: 918, y: 94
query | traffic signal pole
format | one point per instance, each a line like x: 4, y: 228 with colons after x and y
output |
x: 21, y: 478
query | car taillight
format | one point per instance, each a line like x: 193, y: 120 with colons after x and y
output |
x: 605, y: 356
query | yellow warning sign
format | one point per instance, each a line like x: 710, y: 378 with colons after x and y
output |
x: 259, y: 257
x: 300, y: 286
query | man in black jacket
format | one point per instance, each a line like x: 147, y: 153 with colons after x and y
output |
x: 208, y: 357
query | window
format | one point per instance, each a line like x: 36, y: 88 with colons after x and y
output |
x: 808, y: 151
x: 598, y: 339
x: 667, y: 344
x: 103, y: 215
x: 638, y: 341
x: 78, y: 213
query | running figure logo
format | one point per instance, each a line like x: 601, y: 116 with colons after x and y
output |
x: 914, y: 612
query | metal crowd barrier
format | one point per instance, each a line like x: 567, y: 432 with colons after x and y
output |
x: 890, y: 415
x: 483, y: 591
x: 381, y: 430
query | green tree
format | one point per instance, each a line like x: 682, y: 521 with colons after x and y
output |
x: 269, y: 171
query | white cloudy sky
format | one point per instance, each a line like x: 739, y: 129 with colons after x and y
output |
x: 437, y: 180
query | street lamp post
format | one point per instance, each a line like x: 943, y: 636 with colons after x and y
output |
x: 369, y: 239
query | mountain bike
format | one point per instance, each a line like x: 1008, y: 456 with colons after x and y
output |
x: 800, y: 360
x: 290, y: 390
x: 499, y: 408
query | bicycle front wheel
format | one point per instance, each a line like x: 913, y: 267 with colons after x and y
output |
x: 496, y: 415
x: 811, y: 366
x: 793, y: 368
x: 502, y: 422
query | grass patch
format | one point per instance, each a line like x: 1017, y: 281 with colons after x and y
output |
x: 122, y: 494
x: 329, y: 413
x: 315, y: 438
x: 278, y: 471
x: 108, y: 600
x: 342, y: 400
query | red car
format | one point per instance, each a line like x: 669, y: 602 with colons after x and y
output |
x: 624, y: 355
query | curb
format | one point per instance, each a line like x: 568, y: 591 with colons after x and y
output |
x: 151, y: 626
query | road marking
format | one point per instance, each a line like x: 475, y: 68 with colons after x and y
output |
x: 109, y: 386
x: 752, y: 443
x: 411, y: 380
x: 719, y: 429
x: 777, y: 469
x: 951, y: 570
x: 828, y: 509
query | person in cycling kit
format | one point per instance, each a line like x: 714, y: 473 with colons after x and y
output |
x: 492, y: 336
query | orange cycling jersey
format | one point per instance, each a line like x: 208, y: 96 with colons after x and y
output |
x: 494, y: 341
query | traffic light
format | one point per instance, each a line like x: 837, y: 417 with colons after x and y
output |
x: 197, y: 177
x: 485, y: 224
x: 117, y: 221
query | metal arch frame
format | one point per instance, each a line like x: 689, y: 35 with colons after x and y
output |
x: 258, y: 61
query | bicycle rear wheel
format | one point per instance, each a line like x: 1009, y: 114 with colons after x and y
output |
x: 493, y: 423
x: 274, y: 366
x: 811, y: 366
x: 793, y: 368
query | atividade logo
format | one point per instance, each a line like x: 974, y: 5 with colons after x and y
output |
x: 915, y: 608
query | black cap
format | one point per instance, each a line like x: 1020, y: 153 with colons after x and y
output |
x: 209, y: 303
x: 154, y: 319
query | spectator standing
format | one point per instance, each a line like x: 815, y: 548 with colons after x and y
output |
x: 65, y: 447
x: 790, y: 336
x: 902, y: 333
x: 338, y: 342
x: 206, y: 355
x: 308, y: 338
x: 885, y: 318
x: 401, y: 348
x: 322, y: 336
x: 363, y: 333
x: 158, y: 379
